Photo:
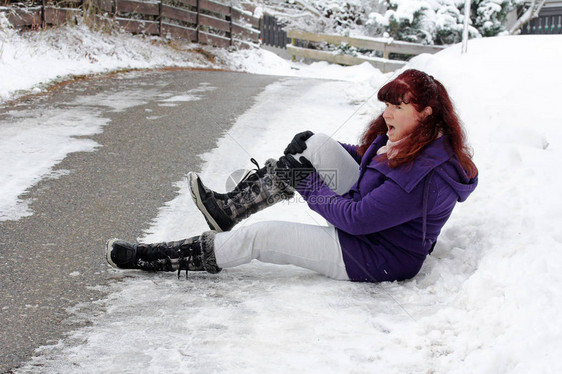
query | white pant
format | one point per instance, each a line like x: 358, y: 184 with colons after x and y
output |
x: 311, y: 247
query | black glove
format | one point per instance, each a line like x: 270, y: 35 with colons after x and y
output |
x: 293, y: 172
x: 298, y: 144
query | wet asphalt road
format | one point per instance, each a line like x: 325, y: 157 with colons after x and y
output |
x: 53, y: 260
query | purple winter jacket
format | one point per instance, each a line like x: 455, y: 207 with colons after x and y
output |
x: 390, y: 219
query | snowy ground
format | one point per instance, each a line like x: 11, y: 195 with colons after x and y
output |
x: 486, y: 301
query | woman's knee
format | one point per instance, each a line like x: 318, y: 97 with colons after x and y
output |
x: 337, y: 168
x: 318, y: 141
x: 319, y: 148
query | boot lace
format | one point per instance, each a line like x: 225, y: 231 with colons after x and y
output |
x: 184, y: 265
x: 253, y: 161
x: 250, y: 172
x: 185, y: 261
x: 189, y: 259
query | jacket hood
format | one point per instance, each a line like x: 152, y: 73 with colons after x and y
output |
x: 437, y: 156
x: 457, y: 179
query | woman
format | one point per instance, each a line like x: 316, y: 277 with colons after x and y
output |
x: 386, y: 199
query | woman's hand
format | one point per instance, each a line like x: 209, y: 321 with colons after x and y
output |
x: 298, y: 144
x: 293, y: 172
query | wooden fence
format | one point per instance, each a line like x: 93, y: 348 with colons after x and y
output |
x: 272, y: 32
x: 39, y: 14
x: 386, y: 47
x: 200, y: 21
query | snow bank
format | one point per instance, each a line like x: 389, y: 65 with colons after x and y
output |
x: 29, y: 61
x: 503, y: 317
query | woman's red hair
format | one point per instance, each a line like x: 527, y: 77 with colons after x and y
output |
x: 421, y: 90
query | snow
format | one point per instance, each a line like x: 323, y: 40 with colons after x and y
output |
x: 31, y: 62
x: 486, y: 301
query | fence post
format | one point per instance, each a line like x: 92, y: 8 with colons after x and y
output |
x: 230, y: 17
x: 160, y: 18
x: 264, y: 28
x: 197, y: 24
x: 275, y: 32
x: 294, y: 44
x: 43, y: 21
x: 261, y: 29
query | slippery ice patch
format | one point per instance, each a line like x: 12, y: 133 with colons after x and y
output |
x: 31, y: 145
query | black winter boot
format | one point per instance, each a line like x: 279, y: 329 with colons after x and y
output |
x: 258, y: 190
x: 195, y: 254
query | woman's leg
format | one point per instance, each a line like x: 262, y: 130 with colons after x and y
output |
x: 334, y: 164
x: 263, y: 188
x: 311, y: 247
x: 258, y: 190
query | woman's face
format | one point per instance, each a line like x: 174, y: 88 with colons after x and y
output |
x: 401, y: 120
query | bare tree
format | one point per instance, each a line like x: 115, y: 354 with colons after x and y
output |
x: 528, y: 15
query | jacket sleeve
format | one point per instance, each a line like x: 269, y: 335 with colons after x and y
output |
x: 352, y: 150
x: 384, y: 207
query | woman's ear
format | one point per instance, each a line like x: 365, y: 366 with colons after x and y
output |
x: 426, y: 112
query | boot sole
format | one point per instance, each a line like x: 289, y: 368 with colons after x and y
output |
x: 195, y: 193
x: 108, y: 245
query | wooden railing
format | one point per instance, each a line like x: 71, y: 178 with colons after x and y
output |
x: 40, y: 14
x: 200, y: 21
x: 386, y: 46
